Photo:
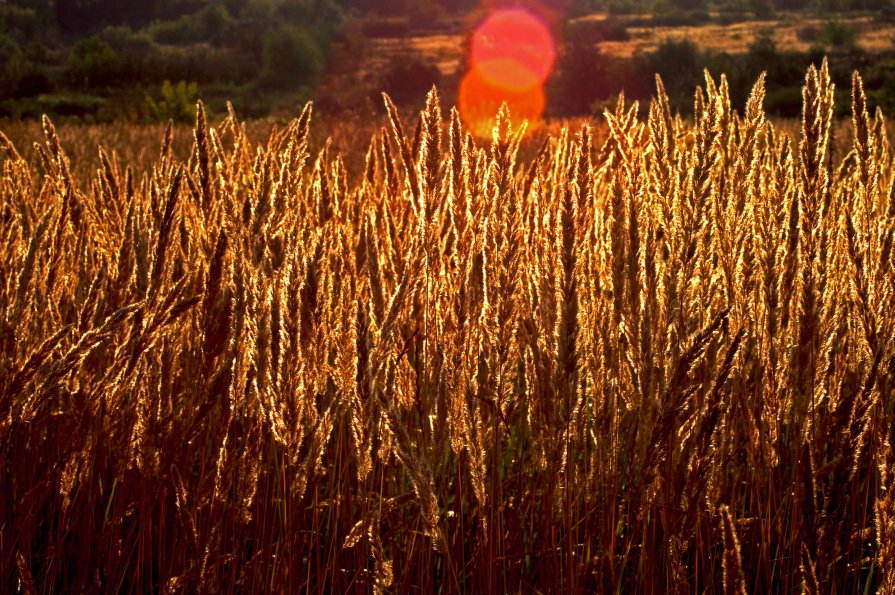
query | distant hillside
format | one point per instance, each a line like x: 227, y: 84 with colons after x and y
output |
x: 148, y: 60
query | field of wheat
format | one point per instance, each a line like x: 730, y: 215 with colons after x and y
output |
x: 662, y: 363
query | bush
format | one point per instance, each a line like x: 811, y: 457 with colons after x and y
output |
x: 840, y: 34
x: 762, y: 52
x: 594, y: 30
x: 139, y: 55
x: 762, y: 9
x: 34, y: 80
x: 784, y: 101
x: 386, y: 27
x: 426, y: 15
x: 210, y: 24
x: 809, y: 33
x: 580, y: 79
x: 178, y: 103
x: 12, y: 65
x: 407, y: 79
x: 205, y: 65
x: 22, y: 24
x: 886, y: 14
x: 679, y: 62
x: 94, y: 62
x: 321, y: 16
x: 625, y: 7
x: 344, y: 49
x: 673, y: 17
x: 291, y: 58
x: 70, y: 104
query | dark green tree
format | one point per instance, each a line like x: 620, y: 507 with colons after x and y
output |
x: 292, y: 58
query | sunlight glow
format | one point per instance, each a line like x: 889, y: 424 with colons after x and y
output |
x: 480, y: 100
x: 512, y: 55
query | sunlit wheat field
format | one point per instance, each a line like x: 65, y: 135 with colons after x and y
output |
x: 635, y: 355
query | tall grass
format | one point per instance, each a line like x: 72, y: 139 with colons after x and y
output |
x: 659, y: 362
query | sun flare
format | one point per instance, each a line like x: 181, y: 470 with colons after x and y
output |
x: 511, y: 57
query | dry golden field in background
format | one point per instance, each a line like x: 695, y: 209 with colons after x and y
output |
x: 655, y: 356
x: 872, y: 35
x: 790, y: 31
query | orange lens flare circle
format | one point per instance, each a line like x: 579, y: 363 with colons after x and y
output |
x: 511, y: 57
x: 516, y: 36
x: 481, y: 99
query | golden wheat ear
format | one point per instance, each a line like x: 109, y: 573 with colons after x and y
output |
x: 404, y: 150
x: 734, y: 583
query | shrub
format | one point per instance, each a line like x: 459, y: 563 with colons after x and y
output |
x: 784, y: 102
x: 34, y: 80
x: 94, y: 62
x: 426, y: 15
x: 386, y: 27
x: 690, y: 5
x: 292, y: 57
x: 22, y: 24
x: 140, y: 57
x: 839, y: 34
x: 585, y: 79
x: 625, y: 7
x: 346, y: 46
x: 208, y: 25
x: 177, y: 103
x: 409, y: 77
x: 321, y: 16
x: 205, y: 64
x: 762, y: 9
x: 682, y: 18
x: 679, y: 62
x: 12, y: 65
x: 809, y: 33
x: 762, y: 50
x: 886, y: 14
x: 595, y: 30
x: 70, y: 104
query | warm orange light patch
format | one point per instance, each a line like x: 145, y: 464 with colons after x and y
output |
x: 480, y: 100
x: 514, y: 36
x: 511, y: 58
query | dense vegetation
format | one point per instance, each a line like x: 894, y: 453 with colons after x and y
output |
x: 97, y: 53
x: 588, y: 80
x: 655, y: 357
x: 110, y: 60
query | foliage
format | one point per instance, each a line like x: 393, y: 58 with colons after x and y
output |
x: 386, y: 27
x: 176, y: 103
x: 209, y: 25
x: 839, y: 34
x: 11, y: 64
x: 595, y: 30
x: 762, y: 52
x: 680, y: 63
x: 22, y: 24
x: 407, y: 79
x: 94, y: 63
x: 321, y: 16
x: 581, y: 77
x: 762, y: 9
x: 69, y: 104
x: 426, y: 15
x: 626, y: 7
x: 292, y: 58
